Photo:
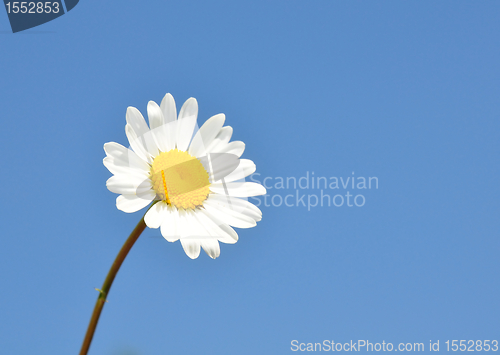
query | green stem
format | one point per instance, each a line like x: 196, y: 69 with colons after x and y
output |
x: 103, y: 292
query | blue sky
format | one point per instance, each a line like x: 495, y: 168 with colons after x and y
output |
x: 403, y: 91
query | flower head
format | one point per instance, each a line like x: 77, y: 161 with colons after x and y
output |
x: 197, y: 182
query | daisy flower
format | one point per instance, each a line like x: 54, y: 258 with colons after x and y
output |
x: 197, y: 182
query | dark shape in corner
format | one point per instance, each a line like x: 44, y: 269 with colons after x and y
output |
x: 26, y: 15
x: 70, y: 4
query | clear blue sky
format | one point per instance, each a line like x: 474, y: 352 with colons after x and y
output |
x: 407, y: 92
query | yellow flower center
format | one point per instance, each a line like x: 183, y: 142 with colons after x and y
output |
x: 179, y: 179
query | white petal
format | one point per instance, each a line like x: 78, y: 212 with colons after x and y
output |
x: 137, y: 145
x: 155, y: 115
x: 185, y: 225
x: 245, y: 168
x: 228, y: 215
x: 190, y: 227
x: 195, y: 229
x: 191, y: 247
x: 186, y: 123
x: 237, y: 148
x: 211, y: 247
x: 156, y: 215
x: 229, y: 168
x: 136, y: 121
x: 170, y: 225
x: 236, y: 204
x: 128, y: 185
x: 211, y: 227
x: 221, y: 139
x: 142, y: 133
x: 170, y: 117
x: 219, y: 165
x: 168, y: 108
x: 158, y: 126
x: 125, y: 157
x: 206, y: 134
x: 116, y: 167
x: 133, y: 203
x: 239, y: 189
x: 228, y: 236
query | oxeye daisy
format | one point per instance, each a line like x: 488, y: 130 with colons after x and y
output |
x: 196, y: 181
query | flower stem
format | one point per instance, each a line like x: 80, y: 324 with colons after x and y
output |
x: 103, y: 292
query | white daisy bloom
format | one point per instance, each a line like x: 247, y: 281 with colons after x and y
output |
x: 198, y: 182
